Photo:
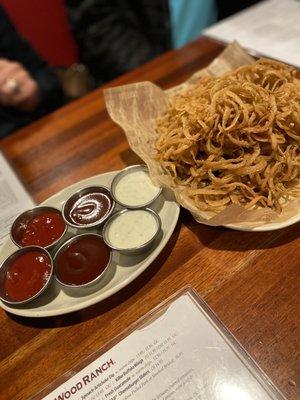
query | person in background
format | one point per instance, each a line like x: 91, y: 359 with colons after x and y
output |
x: 189, y: 17
x: 116, y: 36
x: 28, y: 87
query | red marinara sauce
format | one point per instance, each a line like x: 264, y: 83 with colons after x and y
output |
x: 82, y: 261
x: 43, y: 229
x: 27, y: 275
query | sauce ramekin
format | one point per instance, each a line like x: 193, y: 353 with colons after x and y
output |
x: 8, y: 272
x: 84, y: 208
x: 132, y: 187
x: 128, y: 224
x: 75, y: 261
x: 35, y: 222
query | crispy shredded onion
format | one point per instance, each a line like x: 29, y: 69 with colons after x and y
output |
x: 235, y: 139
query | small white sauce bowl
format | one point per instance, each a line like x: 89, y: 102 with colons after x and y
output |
x: 130, y: 187
x: 117, y: 221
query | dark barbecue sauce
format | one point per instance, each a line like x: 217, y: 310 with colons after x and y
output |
x: 90, y: 208
x: 82, y: 261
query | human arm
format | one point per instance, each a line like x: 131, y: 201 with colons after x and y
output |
x: 39, y: 89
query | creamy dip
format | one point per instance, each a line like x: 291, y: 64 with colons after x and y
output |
x: 131, y: 229
x: 135, y: 189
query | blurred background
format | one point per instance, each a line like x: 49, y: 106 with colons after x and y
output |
x: 54, y: 51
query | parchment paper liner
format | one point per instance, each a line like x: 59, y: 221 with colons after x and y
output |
x: 136, y: 107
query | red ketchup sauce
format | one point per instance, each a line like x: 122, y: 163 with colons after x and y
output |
x: 42, y: 230
x: 89, y: 208
x: 82, y: 261
x: 27, y: 275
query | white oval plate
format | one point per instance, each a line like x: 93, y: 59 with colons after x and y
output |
x: 259, y: 226
x: 271, y: 226
x: 124, y: 269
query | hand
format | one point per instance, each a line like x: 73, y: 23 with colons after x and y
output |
x: 17, y: 88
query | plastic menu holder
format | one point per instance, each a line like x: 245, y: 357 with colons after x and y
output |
x: 178, y: 351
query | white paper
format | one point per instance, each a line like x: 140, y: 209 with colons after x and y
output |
x: 179, y: 356
x: 270, y: 28
x: 14, y: 199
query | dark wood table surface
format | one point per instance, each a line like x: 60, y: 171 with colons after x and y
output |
x: 251, y: 280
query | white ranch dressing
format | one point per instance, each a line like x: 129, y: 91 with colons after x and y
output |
x: 132, y: 229
x: 135, y: 189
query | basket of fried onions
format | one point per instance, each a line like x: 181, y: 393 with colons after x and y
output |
x: 234, y: 139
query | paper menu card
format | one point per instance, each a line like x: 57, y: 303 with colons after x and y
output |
x: 178, y: 354
x: 14, y: 198
x: 271, y: 28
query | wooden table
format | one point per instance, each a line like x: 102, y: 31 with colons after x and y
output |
x: 251, y: 280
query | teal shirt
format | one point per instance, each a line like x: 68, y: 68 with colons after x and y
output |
x: 189, y: 18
